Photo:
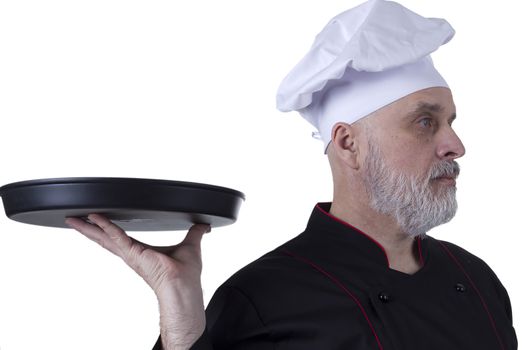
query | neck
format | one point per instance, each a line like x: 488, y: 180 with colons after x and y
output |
x: 400, y: 248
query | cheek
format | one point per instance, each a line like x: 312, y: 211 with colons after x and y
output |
x: 406, y: 152
x: 409, y: 157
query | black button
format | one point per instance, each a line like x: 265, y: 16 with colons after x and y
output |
x: 384, y: 297
x: 460, y: 288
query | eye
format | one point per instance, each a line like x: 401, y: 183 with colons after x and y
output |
x: 426, y: 122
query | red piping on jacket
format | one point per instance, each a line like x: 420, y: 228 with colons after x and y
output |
x: 421, y: 260
x: 356, y: 229
x: 341, y: 286
x: 492, y: 323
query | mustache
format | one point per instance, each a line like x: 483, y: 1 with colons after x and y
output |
x: 449, y: 168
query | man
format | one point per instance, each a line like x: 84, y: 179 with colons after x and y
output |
x: 364, y: 274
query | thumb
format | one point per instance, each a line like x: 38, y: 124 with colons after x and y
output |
x: 195, y: 234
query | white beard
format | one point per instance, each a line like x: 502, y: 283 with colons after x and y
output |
x: 410, y: 199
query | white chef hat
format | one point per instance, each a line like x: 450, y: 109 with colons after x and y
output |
x: 364, y: 58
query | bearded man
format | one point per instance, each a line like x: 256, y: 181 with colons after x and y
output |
x: 364, y: 274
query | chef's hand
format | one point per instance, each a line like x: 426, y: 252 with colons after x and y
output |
x: 172, y: 272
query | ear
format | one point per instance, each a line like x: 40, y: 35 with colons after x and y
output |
x: 345, y: 144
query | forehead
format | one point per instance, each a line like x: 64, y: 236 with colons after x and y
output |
x: 435, y: 100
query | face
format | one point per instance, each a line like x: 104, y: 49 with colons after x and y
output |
x: 409, y: 169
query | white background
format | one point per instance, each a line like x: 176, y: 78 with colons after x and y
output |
x: 186, y: 91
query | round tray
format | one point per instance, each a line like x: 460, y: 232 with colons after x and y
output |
x: 131, y: 203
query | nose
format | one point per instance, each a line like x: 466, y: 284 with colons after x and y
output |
x: 450, y: 146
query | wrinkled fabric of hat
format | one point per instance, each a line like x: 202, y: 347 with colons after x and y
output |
x: 364, y: 59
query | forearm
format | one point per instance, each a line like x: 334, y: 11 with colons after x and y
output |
x: 182, y: 319
x: 203, y: 343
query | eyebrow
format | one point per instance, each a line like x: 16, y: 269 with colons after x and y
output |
x: 428, y: 107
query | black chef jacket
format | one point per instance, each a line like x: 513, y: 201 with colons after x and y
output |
x: 331, y: 288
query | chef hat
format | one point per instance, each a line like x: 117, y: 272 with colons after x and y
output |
x: 364, y: 58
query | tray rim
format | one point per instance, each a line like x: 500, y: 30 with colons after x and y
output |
x: 117, y: 180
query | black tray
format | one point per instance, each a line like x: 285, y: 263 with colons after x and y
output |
x: 133, y: 204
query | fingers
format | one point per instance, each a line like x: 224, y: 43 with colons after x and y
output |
x: 103, y: 232
x: 115, y: 233
x: 92, y: 232
x: 114, y: 239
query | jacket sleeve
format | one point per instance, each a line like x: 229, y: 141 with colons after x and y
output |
x: 232, y: 323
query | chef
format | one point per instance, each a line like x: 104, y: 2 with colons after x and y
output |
x: 364, y: 274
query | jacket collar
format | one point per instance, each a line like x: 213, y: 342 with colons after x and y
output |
x: 339, y: 240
